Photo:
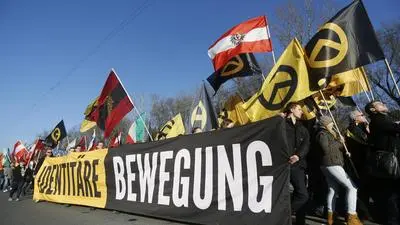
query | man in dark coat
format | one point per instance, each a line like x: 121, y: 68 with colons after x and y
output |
x: 384, y: 136
x: 357, y: 143
x: 299, y: 143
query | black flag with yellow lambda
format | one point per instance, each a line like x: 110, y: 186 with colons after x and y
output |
x: 56, y: 135
x: 345, y: 42
x: 202, y: 114
x: 239, y: 66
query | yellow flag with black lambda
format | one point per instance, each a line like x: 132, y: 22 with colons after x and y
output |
x: 349, y: 83
x: 287, y: 82
x: 172, y: 128
x: 87, y: 124
x: 233, y: 110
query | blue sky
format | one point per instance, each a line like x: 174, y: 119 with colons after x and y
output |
x: 162, y: 51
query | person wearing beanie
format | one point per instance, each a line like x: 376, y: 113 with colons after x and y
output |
x: 331, y: 147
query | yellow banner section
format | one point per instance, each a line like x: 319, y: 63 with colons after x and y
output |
x: 77, y: 178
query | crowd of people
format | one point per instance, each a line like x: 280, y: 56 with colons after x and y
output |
x: 346, y: 165
x: 321, y: 156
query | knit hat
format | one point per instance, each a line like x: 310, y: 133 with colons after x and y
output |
x: 325, y: 120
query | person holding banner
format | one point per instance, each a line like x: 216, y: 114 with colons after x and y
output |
x: 299, y: 142
x: 331, y: 149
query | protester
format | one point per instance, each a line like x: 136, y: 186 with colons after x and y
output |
x: 384, y: 137
x: 78, y: 148
x: 196, y: 130
x: 18, y: 180
x: 227, y: 123
x: 28, y: 178
x: 332, y: 161
x: 7, y: 174
x: 299, y: 143
x: 357, y: 143
x: 100, y: 145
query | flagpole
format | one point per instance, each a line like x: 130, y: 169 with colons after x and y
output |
x: 333, y: 119
x: 273, y: 53
x: 340, y: 135
x: 130, y: 99
x: 362, y: 86
x: 391, y: 74
x: 368, y: 84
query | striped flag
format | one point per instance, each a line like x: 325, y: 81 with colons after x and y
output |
x: 249, y: 36
x: 91, y: 143
x: 19, y: 151
x: 136, y: 131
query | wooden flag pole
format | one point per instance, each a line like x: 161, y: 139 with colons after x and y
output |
x: 340, y: 135
x: 391, y: 74
x: 333, y: 119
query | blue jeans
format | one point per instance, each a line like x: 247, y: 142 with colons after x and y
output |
x: 335, y: 177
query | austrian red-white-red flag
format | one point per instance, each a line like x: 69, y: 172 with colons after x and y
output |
x: 19, y: 151
x: 249, y: 36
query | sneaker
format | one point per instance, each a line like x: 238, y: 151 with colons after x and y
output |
x: 17, y: 199
x: 9, y: 199
x: 5, y: 190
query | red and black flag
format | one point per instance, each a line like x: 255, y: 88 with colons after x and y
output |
x: 239, y: 66
x: 56, y: 135
x: 113, y: 104
x: 345, y: 42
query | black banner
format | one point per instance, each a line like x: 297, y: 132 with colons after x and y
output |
x: 231, y: 176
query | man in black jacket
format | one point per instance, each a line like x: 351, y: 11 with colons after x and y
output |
x: 384, y: 136
x: 299, y: 142
x: 357, y: 143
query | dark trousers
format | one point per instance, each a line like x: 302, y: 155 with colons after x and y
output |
x: 16, y: 188
x: 386, y: 196
x: 300, y: 193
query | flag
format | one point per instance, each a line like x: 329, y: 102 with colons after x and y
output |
x: 249, y: 36
x: 87, y: 124
x: 82, y: 143
x: 287, y: 82
x: 56, y: 135
x: 136, y: 130
x: 37, y: 146
x: 233, y: 110
x: 19, y: 151
x: 92, y: 142
x: 202, y: 113
x: 71, y: 144
x: 116, y: 141
x: 238, y: 66
x: 112, y: 105
x: 172, y: 128
x: 345, y: 42
x: 349, y: 83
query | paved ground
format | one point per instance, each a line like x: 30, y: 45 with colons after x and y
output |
x: 26, y: 212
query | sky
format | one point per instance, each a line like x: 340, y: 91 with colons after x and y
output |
x: 56, y: 55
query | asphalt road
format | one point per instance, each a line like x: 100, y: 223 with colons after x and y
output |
x: 27, y: 212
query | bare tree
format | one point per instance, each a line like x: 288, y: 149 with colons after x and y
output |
x: 301, y: 19
x: 389, y: 38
